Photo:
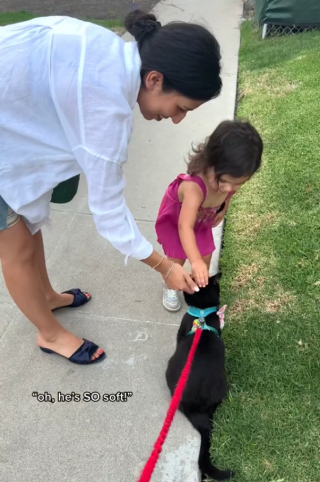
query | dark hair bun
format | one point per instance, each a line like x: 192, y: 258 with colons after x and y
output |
x: 141, y: 24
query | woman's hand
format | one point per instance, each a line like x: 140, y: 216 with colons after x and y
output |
x: 180, y: 280
x: 174, y: 275
x: 200, y: 272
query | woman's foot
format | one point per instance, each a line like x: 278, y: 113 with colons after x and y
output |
x: 62, y: 300
x: 65, y: 344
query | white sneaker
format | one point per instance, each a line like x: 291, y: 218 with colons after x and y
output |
x: 171, y: 300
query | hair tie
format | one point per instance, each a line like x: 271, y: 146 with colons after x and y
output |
x: 150, y: 25
x: 145, y: 28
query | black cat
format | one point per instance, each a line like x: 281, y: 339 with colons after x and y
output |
x: 207, y: 383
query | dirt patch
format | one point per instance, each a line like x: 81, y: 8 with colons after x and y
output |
x: 98, y: 9
x: 247, y: 275
x: 268, y: 466
x: 283, y: 300
x: 247, y: 225
x: 257, y: 298
x: 269, y: 84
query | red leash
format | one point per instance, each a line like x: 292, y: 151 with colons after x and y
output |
x: 150, y: 465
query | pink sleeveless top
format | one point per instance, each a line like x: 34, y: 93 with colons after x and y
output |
x: 168, y: 219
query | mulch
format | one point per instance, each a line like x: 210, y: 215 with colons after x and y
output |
x: 95, y: 9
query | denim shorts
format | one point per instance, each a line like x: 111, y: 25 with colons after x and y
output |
x: 8, y: 218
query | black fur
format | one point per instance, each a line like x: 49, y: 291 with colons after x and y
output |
x: 207, y: 383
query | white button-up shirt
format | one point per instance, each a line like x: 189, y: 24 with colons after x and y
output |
x: 67, y: 93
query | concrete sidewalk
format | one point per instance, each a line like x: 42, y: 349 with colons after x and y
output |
x: 100, y: 440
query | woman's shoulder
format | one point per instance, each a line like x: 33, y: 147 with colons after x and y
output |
x: 112, y: 63
x: 97, y: 31
x: 103, y: 44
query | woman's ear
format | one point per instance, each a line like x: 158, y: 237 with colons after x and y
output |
x: 153, y: 81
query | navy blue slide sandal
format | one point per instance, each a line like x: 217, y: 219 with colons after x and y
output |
x: 79, y: 298
x: 82, y: 356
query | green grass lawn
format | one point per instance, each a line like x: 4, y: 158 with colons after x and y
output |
x: 14, y: 17
x: 269, y: 428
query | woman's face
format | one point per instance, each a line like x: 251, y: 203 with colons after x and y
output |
x: 157, y: 105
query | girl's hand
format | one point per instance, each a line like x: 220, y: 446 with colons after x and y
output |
x: 180, y: 280
x: 174, y: 275
x: 200, y: 272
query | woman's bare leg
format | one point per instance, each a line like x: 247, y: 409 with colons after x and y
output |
x: 55, y: 300
x: 18, y: 254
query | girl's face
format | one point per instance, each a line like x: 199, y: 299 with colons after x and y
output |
x: 155, y: 104
x: 229, y: 184
x: 226, y: 184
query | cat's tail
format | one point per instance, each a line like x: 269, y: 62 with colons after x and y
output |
x: 202, y: 423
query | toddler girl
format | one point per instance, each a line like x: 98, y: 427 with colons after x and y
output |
x: 196, y: 202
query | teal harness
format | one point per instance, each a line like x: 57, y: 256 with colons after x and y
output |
x: 199, y: 321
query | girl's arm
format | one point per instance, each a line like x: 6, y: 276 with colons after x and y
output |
x: 192, y: 198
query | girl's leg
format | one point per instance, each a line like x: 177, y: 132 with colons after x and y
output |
x: 170, y: 299
x: 207, y: 260
x: 55, y: 300
x: 176, y: 260
x: 18, y: 254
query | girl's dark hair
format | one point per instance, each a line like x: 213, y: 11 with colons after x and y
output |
x: 186, y: 54
x: 235, y: 148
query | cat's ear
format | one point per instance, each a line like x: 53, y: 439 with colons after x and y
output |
x: 218, y: 277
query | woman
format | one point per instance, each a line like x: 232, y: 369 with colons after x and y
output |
x: 67, y: 92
